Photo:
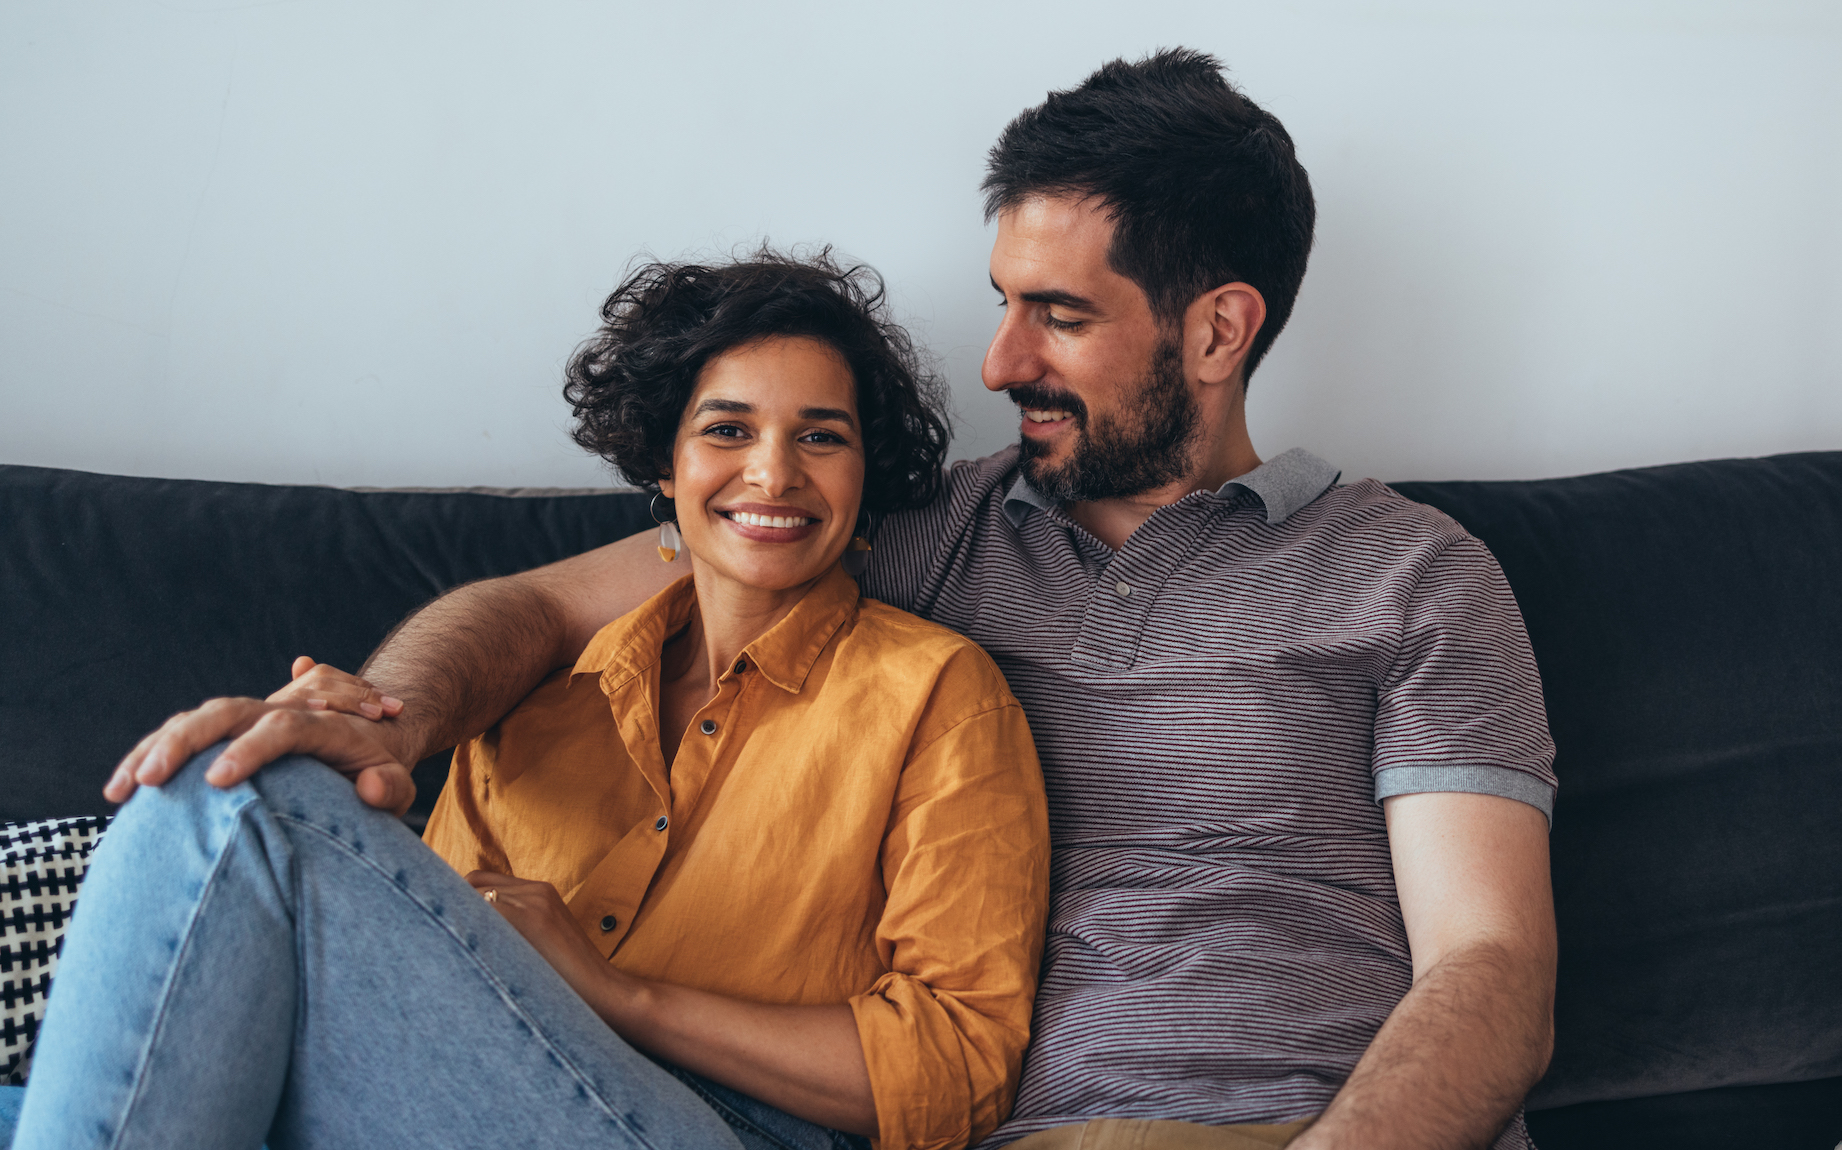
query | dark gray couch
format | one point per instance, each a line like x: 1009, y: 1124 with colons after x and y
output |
x: 1687, y: 619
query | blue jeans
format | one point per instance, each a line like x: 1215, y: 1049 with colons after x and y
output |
x: 279, y: 963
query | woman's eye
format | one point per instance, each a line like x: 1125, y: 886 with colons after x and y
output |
x: 822, y: 437
x: 726, y: 430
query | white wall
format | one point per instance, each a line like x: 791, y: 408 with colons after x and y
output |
x: 353, y: 243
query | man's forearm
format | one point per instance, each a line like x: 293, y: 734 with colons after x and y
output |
x: 1453, y: 1061
x: 464, y: 660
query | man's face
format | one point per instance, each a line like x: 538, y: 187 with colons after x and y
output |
x: 1106, y: 409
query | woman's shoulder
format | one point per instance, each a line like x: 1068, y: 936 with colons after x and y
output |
x: 904, y: 645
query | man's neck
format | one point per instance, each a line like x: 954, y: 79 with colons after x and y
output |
x: 1112, y: 521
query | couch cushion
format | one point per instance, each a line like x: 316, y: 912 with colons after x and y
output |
x: 127, y: 599
x: 1688, y: 624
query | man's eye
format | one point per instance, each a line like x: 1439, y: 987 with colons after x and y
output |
x: 1062, y: 324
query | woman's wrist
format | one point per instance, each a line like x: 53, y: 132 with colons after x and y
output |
x: 625, y: 1003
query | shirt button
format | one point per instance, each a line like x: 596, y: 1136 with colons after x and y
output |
x: 608, y: 922
x: 1123, y: 588
x: 661, y: 824
x: 708, y: 726
x: 741, y: 666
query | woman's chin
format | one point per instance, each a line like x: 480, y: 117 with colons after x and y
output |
x: 766, y: 573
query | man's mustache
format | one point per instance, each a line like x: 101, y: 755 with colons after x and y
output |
x: 1041, y: 398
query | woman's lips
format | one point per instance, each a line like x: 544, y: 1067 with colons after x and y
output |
x: 763, y: 527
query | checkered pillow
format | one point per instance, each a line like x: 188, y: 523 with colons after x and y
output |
x: 41, y: 866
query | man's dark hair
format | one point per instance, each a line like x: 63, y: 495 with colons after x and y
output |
x: 629, y: 383
x: 1203, y: 185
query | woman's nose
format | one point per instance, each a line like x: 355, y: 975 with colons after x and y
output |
x: 773, y: 467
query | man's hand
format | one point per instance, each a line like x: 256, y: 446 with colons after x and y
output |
x: 261, y: 732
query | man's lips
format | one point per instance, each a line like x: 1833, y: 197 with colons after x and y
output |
x: 1043, y: 422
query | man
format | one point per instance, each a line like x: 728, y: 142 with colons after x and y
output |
x: 1298, y: 765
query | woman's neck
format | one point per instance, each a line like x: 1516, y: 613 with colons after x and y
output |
x: 728, y: 617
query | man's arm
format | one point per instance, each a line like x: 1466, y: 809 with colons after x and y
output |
x: 1457, y: 1055
x: 457, y: 665
x: 463, y: 661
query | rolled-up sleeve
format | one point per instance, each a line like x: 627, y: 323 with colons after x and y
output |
x: 966, y: 866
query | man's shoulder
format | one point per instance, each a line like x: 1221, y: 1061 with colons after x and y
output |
x: 1370, y: 510
x: 982, y: 482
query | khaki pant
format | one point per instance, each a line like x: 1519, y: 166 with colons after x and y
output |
x: 1141, y: 1134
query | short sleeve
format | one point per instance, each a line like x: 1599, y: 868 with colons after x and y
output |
x: 1461, y: 707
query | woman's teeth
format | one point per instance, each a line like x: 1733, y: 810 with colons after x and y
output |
x: 1044, y: 416
x: 754, y: 520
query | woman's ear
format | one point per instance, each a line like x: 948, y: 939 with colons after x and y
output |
x: 665, y: 486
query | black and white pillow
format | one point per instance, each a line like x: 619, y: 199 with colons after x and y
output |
x: 41, y: 867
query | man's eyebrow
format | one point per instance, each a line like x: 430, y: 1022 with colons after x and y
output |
x: 1054, y: 298
x: 835, y: 414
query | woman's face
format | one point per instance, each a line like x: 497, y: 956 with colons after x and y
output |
x: 767, y: 466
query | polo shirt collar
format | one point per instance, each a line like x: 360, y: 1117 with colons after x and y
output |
x: 784, y: 655
x: 1282, y: 484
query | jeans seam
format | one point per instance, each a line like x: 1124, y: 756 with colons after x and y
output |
x: 492, y: 978
x: 187, y: 934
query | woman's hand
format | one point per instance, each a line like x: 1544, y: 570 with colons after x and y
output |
x: 538, y: 912
x: 324, y: 687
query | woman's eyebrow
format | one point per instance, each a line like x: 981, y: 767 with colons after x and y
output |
x: 728, y: 406
x: 835, y: 414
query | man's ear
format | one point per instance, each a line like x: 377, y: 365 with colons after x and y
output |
x: 1219, y: 329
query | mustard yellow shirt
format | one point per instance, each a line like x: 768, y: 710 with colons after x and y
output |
x: 857, y: 816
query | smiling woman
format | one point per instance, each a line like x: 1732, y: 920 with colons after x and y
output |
x: 766, y: 867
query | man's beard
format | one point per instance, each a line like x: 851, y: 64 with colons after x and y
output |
x: 1148, y: 446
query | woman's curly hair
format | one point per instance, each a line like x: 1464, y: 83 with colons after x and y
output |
x: 629, y: 384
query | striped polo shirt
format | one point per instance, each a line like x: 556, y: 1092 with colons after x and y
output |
x: 1219, y: 707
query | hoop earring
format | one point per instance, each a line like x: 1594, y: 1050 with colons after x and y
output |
x: 669, y: 543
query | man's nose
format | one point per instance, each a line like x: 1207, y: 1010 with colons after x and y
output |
x: 1012, y: 357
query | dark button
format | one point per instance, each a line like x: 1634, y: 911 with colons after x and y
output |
x: 661, y: 824
x: 708, y: 726
x: 608, y: 922
x: 741, y: 666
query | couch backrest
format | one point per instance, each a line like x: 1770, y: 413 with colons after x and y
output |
x: 125, y: 600
x: 1688, y: 625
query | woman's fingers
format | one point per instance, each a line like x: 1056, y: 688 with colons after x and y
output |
x: 320, y: 686
x: 388, y: 788
x: 350, y: 746
x: 259, y: 733
x: 188, y: 733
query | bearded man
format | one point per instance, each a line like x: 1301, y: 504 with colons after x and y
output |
x: 1298, y: 763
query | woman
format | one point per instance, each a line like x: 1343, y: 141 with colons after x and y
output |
x: 788, y: 842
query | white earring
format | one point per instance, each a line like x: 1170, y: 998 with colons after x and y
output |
x: 668, y: 530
